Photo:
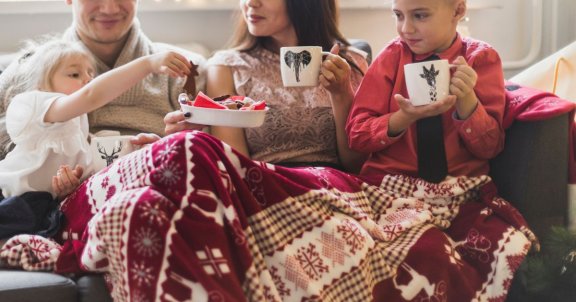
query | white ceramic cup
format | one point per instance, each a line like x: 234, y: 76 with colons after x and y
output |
x: 427, y: 81
x: 300, y: 65
x: 107, y: 149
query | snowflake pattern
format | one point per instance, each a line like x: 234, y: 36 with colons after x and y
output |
x: 142, y: 274
x: 352, y: 235
x: 153, y: 212
x: 170, y: 148
x: 147, y: 242
x: 311, y: 262
x: 139, y: 296
x: 392, y: 231
x: 169, y: 174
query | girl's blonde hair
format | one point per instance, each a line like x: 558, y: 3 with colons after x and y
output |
x: 40, y: 59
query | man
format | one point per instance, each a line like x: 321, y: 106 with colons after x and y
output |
x: 111, y: 32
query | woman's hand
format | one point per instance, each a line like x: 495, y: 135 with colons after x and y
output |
x: 335, y: 73
x: 175, y: 122
x: 66, y: 180
x: 170, y: 63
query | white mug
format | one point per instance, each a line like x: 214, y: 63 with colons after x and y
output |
x: 107, y: 149
x: 427, y: 81
x: 300, y: 65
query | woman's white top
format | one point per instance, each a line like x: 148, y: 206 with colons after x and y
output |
x: 41, y: 148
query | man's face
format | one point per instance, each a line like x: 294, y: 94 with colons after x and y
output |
x: 103, y: 21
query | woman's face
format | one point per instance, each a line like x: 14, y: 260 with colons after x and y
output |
x: 269, y: 18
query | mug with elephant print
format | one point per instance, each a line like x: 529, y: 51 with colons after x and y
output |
x: 427, y: 81
x: 300, y: 65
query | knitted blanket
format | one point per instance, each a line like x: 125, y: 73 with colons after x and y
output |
x: 190, y: 219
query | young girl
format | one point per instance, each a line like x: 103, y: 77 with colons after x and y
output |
x: 48, y: 123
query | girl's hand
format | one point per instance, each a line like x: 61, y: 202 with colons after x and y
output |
x: 335, y: 73
x: 175, y: 122
x: 66, y: 180
x: 170, y: 63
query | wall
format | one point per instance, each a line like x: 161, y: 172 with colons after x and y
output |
x: 510, y: 31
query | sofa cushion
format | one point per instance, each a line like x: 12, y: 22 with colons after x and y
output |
x: 35, y: 286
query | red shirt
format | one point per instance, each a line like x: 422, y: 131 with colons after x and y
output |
x: 469, y: 143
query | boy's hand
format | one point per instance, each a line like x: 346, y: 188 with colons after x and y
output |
x: 408, y: 113
x: 66, y: 180
x: 418, y: 112
x: 335, y: 73
x: 170, y: 63
x: 462, y: 85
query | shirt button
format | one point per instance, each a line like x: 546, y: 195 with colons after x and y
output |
x: 468, y: 130
x: 383, y: 142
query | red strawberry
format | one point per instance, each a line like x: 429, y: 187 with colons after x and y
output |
x: 204, y: 101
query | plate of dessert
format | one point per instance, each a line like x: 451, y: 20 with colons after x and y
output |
x: 230, y: 111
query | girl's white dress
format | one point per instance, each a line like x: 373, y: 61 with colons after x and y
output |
x: 41, y: 148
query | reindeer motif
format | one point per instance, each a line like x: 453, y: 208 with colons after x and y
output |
x: 296, y: 61
x: 417, y: 283
x: 112, y: 156
x: 430, y: 76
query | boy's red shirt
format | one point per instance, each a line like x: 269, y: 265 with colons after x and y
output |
x: 469, y: 143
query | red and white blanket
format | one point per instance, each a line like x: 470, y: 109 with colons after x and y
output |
x: 190, y: 219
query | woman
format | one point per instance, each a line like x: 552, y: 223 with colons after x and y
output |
x: 252, y: 68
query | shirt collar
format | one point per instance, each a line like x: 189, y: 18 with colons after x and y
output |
x: 446, y: 54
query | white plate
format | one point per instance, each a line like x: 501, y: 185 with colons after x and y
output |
x: 225, y: 117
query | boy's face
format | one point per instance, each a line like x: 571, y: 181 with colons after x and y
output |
x: 428, y: 25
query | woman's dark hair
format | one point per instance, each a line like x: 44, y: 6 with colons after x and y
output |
x: 315, y: 23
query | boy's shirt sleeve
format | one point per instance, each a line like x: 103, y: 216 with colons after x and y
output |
x: 482, y: 132
x: 367, y: 124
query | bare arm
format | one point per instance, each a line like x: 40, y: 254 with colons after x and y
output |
x: 106, y: 87
x: 220, y: 82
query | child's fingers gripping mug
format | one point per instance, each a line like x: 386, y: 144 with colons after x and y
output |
x: 107, y: 149
x: 427, y: 81
x: 300, y: 65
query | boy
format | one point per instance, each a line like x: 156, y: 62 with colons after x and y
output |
x: 383, y: 122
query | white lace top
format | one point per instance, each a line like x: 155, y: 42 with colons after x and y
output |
x: 40, y: 147
x: 299, y: 126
